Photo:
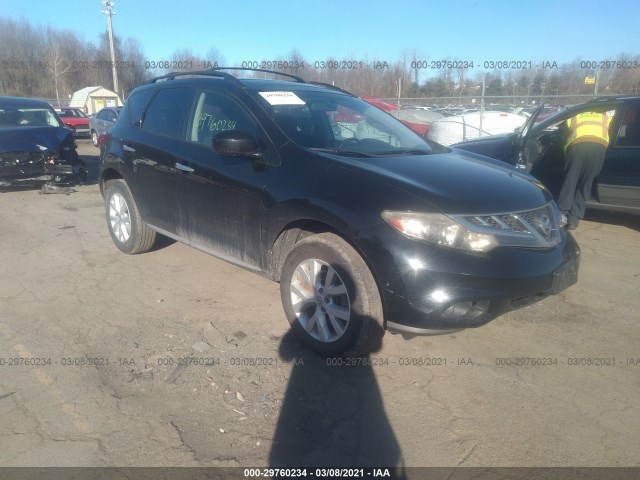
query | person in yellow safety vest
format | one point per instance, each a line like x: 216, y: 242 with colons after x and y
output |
x: 585, y: 149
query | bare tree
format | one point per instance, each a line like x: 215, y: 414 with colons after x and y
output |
x: 56, y: 62
x: 52, y: 62
x: 184, y: 60
x: 133, y: 71
x: 214, y: 58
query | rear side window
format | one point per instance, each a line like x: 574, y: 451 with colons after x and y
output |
x: 167, y: 112
x: 136, y: 104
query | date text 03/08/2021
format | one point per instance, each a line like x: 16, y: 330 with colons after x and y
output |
x: 317, y: 472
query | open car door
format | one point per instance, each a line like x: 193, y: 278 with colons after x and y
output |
x: 526, y: 158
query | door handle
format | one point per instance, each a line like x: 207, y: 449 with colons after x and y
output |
x: 127, y: 148
x: 184, y: 168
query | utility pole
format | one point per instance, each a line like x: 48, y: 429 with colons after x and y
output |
x: 110, y: 13
x: 484, y: 79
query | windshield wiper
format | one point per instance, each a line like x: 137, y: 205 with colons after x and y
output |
x: 346, y: 153
x: 405, y: 151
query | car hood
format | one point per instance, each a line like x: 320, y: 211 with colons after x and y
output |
x: 458, y: 182
x: 32, y: 139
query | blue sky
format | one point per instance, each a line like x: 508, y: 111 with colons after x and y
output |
x: 373, y: 30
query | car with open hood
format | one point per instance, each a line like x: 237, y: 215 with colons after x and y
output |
x: 35, y: 146
x: 538, y: 149
x: 366, y: 226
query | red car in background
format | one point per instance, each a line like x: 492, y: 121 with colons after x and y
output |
x: 75, y: 119
x: 417, y: 120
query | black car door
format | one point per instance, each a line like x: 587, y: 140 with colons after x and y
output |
x: 221, y: 196
x: 619, y: 180
x: 154, y: 150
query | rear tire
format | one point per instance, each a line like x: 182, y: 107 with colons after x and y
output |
x: 130, y: 234
x: 331, y: 298
x: 94, y: 138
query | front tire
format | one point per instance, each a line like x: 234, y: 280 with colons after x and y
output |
x: 94, y: 138
x: 130, y: 234
x: 331, y: 298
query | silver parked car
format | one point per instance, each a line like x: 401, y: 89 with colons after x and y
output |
x: 103, y: 121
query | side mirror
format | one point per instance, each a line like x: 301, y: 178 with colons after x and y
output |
x: 235, y: 143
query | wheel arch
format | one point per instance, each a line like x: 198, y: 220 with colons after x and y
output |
x: 106, y: 175
x: 297, y: 230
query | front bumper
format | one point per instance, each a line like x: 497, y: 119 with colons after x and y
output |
x: 433, y: 290
x: 58, y: 169
x: 38, y: 174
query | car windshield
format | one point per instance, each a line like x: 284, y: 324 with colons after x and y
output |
x: 28, y: 117
x: 341, y: 124
x: 72, y: 112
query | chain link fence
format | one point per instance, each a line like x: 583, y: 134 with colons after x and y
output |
x: 462, y: 118
x: 458, y: 118
x: 503, y: 100
x: 466, y: 102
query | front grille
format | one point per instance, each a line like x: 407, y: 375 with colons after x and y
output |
x: 531, y: 228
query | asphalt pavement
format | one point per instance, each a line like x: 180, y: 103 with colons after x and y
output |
x: 175, y: 358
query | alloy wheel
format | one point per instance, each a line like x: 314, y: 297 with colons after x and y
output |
x: 119, y: 218
x: 320, y: 300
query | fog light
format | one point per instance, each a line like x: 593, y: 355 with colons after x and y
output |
x: 439, y: 296
x: 467, y: 310
x: 415, y: 264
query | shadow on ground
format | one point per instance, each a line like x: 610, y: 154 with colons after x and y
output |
x: 614, y: 218
x: 332, y: 415
x: 91, y: 164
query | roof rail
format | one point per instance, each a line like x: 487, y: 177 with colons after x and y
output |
x: 210, y: 73
x: 216, y: 72
x: 273, y: 72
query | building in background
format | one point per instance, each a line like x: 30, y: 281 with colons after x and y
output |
x: 94, y: 99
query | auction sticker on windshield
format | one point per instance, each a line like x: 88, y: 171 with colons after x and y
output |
x: 282, y: 98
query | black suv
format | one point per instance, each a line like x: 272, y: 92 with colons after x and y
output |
x: 365, y: 226
x: 538, y: 148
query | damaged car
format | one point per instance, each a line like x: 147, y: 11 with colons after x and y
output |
x: 35, y: 146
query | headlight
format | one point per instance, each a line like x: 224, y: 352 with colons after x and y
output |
x: 51, y: 158
x: 439, y: 229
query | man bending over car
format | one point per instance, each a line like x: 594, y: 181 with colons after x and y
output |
x: 585, y: 148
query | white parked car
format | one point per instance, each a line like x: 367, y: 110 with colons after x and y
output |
x: 459, y: 128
